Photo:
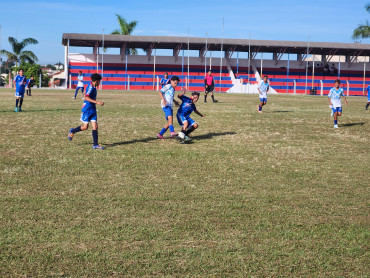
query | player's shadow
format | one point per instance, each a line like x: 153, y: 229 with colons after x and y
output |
x: 211, y: 135
x: 145, y: 140
x: 352, y: 124
x: 38, y: 110
x: 281, y: 111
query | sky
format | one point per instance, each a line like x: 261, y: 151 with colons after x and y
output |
x: 292, y: 20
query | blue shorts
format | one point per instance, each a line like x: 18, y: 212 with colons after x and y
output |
x: 167, y: 111
x: 87, y: 117
x: 181, y: 119
x: 18, y: 94
x: 368, y: 97
x: 337, y: 109
x: 82, y: 89
x: 263, y: 99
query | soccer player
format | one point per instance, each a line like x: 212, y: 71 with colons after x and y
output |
x: 89, y: 112
x: 165, y: 80
x: 263, y: 89
x: 29, y: 85
x: 20, y: 84
x: 209, y: 85
x: 167, y: 93
x: 368, y: 97
x: 334, y: 100
x: 188, y: 125
x: 80, y: 85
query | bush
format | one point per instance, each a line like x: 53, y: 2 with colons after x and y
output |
x: 35, y: 71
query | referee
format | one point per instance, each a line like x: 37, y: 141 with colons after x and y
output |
x: 209, y: 86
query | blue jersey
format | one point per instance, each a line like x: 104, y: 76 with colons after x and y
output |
x: 187, y: 106
x: 164, y: 81
x: 368, y: 91
x: 29, y: 83
x: 88, y: 106
x: 20, y: 83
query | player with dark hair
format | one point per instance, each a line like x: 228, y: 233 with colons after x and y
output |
x: 263, y: 89
x: 29, y: 85
x: 334, y: 100
x: 165, y: 80
x: 20, y: 84
x: 187, y: 124
x: 368, y: 97
x: 209, y: 85
x: 80, y: 85
x: 89, y: 112
x: 167, y: 93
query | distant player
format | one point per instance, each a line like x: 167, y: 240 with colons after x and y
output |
x: 334, y: 100
x: 29, y: 85
x: 187, y: 124
x: 263, y: 89
x: 165, y: 80
x: 20, y: 84
x: 89, y: 112
x: 167, y: 93
x: 209, y: 85
x: 368, y: 97
x: 80, y: 85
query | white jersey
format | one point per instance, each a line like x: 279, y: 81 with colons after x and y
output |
x: 335, y: 96
x: 80, y: 79
x: 168, y: 93
x: 264, y: 87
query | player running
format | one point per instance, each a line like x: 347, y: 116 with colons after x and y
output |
x: 80, y: 85
x: 334, y: 100
x: 165, y: 80
x: 187, y: 124
x: 167, y: 93
x: 20, y: 84
x: 89, y: 112
x: 263, y: 90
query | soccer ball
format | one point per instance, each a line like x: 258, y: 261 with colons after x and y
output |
x: 182, y: 135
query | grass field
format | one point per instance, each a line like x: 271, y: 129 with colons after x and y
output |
x: 254, y: 195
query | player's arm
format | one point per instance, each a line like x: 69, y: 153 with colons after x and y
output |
x: 162, y: 97
x: 161, y: 82
x: 198, y: 113
x: 183, y: 93
x: 87, y: 98
x: 345, y: 99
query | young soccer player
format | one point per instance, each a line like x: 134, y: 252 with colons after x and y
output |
x: 29, y: 85
x: 334, y: 100
x: 80, y: 85
x: 263, y: 90
x: 368, y: 97
x: 20, y: 84
x: 167, y: 93
x: 188, y: 125
x: 209, y: 85
x: 89, y: 112
x: 165, y: 80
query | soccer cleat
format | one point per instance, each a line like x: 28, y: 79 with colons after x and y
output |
x: 160, y: 136
x: 186, y: 138
x: 335, y: 126
x: 98, y: 147
x: 70, y: 135
x: 74, y: 97
x: 16, y: 109
x: 19, y: 109
x: 205, y: 101
x: 173, y: 134
x: 215, y: 101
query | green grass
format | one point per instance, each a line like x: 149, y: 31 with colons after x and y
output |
x: 275, y: 194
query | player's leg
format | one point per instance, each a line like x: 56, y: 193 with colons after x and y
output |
x: 213, y: 98
x: 29, y: 92
x: 85, y: 120
x: 260, y: 105
x: 83, y: 93
x: 20, y: 103
x: 336, y: 118
x: 206, y: 93
x: 95, y: 137
x: 77, y: 88
x: 367, y: 105
x: 192, y: 126
x: 167, y: 113
x: 16, y: 103
x: 170, y: 125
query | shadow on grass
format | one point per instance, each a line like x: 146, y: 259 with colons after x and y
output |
x: 281, y: 111
x: 352, y: 124
x: 149, y: 139
x: 38, y: 110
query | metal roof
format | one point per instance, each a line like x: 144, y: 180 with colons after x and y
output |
x: 214, y: 44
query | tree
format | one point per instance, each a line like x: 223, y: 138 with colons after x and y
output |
x: 35, y: 71
x: 125, y: 28
x: 362, y: 31
x: 18, y: 54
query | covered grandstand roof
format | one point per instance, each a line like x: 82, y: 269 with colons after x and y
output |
x: 214, y: 44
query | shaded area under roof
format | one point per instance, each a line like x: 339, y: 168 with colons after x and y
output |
x: 214, y: 44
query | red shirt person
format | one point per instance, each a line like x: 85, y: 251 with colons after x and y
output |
x: 209, y: 86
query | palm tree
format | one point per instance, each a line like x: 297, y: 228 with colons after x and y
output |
x: 126, y: 28
x: 20, y: 55
x: 362, y: 31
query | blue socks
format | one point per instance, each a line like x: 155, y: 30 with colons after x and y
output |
x: 16, y: 102
x: 172, y: 129
x: 77, y: 129
x: 335, y: 122
x: 20, y: 102
x: 163, y: 131
x: 95, y: 137
x: 259, y: 108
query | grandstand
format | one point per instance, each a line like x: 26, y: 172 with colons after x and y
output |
x: 142, y: 72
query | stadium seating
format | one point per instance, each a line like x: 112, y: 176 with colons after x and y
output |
x: 282, y: 83
x: 141, y: 76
